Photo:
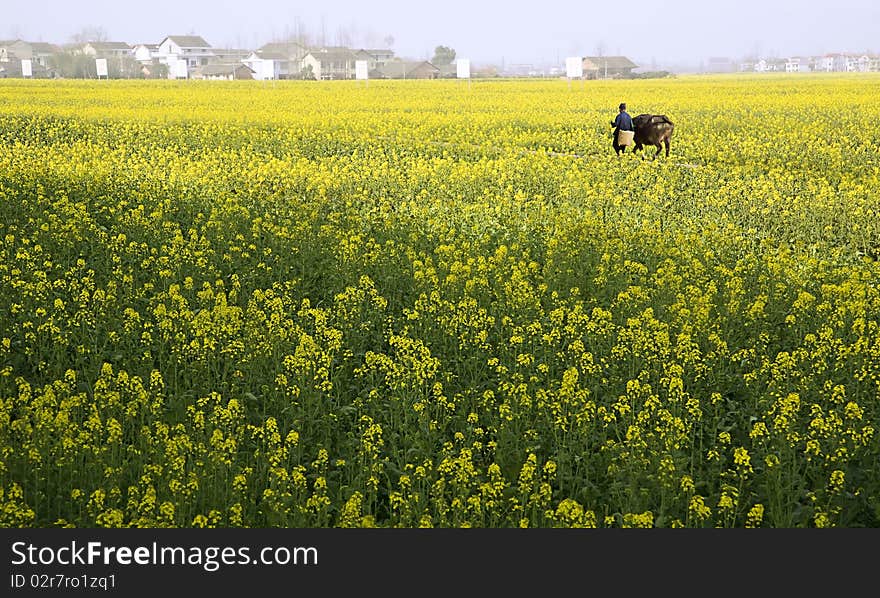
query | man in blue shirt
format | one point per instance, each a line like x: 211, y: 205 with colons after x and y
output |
x: 623, y: 122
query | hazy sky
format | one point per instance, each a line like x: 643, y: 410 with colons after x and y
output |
x: 671, y: 31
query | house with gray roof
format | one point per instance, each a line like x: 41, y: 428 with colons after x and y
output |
x: 330, y: 63
x: 608, y: 67
x: 406, y: 69
x: 294, y: 51
x: 374, y: 58
x: 229, y: 55
x: 223, y: 72
x: 269, y: 65
x: 146, y: 53
x: 107, y: 49
x: 37, y: 52
x: 181, y: 52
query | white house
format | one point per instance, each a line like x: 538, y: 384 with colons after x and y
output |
x: 841, y: 63
x: 862, y: 63
x: 146, y: 53
x: 770, y: 65
x: 266, y: 65
x: 106, y: 49
x: 797, y: 64
x: 824, y: 64
x: 330, y: 63
x: 192, y: 50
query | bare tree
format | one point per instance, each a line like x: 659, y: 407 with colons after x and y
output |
x: 344, y: 37
x: 303, y: 37
x: 89, y: 33
x: 371, y: 39
x: 298, y: 33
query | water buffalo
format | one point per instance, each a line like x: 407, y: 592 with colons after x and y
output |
x: 652, y: 129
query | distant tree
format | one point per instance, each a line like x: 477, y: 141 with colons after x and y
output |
x: 443, y: 55
x: 91, y: 33
x: 389, y: 41
x: 156, y: 70
x: 307, y: 73
x: 299, y: 34
x: 344, y: 37
x: 71, y: 65
x: 371, y: 39
x: 124, y: 67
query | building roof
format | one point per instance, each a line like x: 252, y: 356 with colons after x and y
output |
x: 43, y: 47
x: 36, y: 47
x: 189, y: 41
x: 109, y: 45
x: 612, y: 62
x: 236, y: 53
x: 286, y: 48
x: 271, y: 55
x: 221, y: 68
x: 334, y: 53
x: 402, y: 68
x: 374, y: 53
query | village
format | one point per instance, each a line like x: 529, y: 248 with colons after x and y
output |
x: 192, y: 57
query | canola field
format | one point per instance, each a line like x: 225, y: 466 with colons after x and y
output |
x: 439, y: 304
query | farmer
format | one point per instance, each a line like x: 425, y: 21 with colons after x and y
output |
x: 623, y: 122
